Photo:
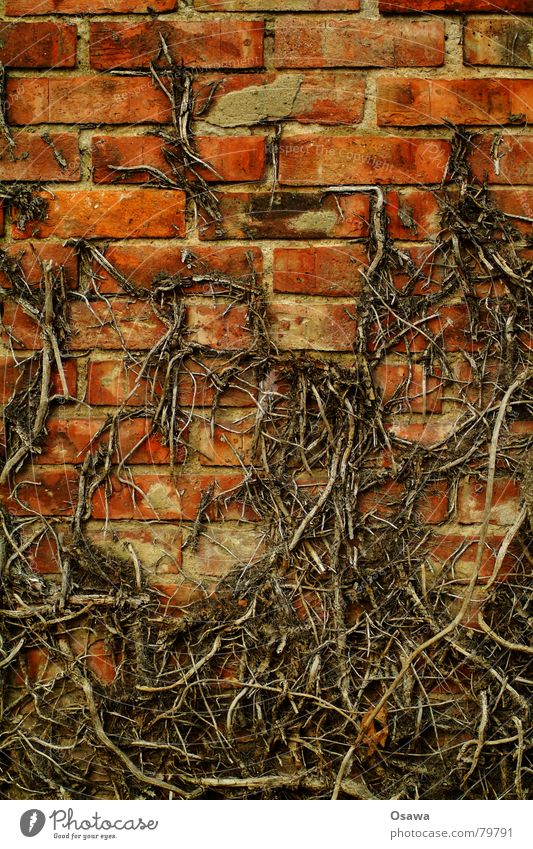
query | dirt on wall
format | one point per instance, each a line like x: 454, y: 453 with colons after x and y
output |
x: 266, y: 280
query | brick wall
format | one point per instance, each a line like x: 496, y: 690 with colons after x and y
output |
x: 308, y: 112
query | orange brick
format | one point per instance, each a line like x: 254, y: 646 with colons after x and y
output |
x: 417, y: 102
x: 311, y: 43
x: 201, y: 44
x: 110, y: 213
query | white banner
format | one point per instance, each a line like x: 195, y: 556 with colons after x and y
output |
x: 248, y: 824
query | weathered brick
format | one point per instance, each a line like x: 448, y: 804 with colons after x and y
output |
x: 223, y: 549
x: 110, y: 213
x: 38, y: 45
x: 49, y: 493
x: 315, y: 327
x: 218, y: 327
x: 515, y: 202
x: 158, y: 546
x: 233, y: 159
x: 248, y: 99
x: 422, y: 433
x: 142, y: 264
x: 358, y: 160
x: 408, y: 388
x: 40, y: 156
x: 290, y: 215
x: 446, y: 548
x: 357, y: 43
x: 230, y: 441
x: 277, y: 5
x: 504, y: 159
x: 499, y: 41
x: 505, y: 501
x: 38, y: 666
x: 163, y: 496
x: 492, y: 6
x: 86, y: 99
x: 135, y: 325
x: 174, y: 599
x: 97, y: 326
x: 33, y: 254
x: 15, y: 378
x: 413, y: 214
x: 199, y: 44
x: 110, y: 382
x: 69, y: 440
x: 406, y: 102
x: 84, y: 7
x: 450, y: 326
x: 388, y: 499
x: 319, y: 270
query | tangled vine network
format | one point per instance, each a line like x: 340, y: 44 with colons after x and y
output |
x: 336, y: 662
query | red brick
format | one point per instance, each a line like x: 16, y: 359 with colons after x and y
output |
x: 306, y: 326
x: 164, y: 497
x: 101, y: 662
x: 277, y: 5
x: 234, y: 159
x: 158, y: 546
x: 135, y: 325
x: 229, y: 444
x: 109, y: 382
x: 388, y: 500
x: 505, y: 501
x: 48, y: 493
x: 31, y: 254
x: 110, y: 213
x: 316, y: 98
x: 427, y: 274
x: 43, y: 556
x: 509, y: 160
x: 39, y: 156
x: 219, y: 328
x: 357, y: 43
x: 499, y: 41
x: 422, y: 6
x: 174, y: 599
x: 358, y: 160
x: 195, y: 388
x: 423, y: 433
x: 221, y: 550
x: 38, y: 45
x: 93, y: 327
x: 142, y: 264
x: 417, y: 102
x: 200, y: 44
x: 449, y: 326
x: 402, y: 387
x: 319, y: 270
x: 86, y: 99
x: 515, y: 202
x: 96, y: 327
x: 69, y: 440
x: 84, y: 7
x: 445, y: 548
x: 413, y: 214
x: 290, y: 215
x: 15, y: 379
x: 38, y: 666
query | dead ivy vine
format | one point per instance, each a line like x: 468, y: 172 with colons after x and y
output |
x: 335, y: 664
